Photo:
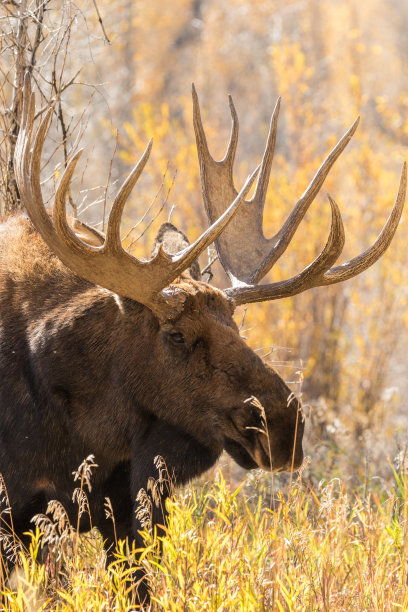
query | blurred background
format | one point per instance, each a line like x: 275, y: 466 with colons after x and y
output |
x: 121, y: 72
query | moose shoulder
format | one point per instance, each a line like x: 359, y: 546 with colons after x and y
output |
x: 103, y: 354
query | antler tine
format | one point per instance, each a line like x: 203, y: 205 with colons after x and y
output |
x: 309, y: 277
x: 202, y: 146
x: 204, y: 155
x: 59, y: 213
x: 317, y: 275
x: 27, y: 115
x: 22, y: 144
x: 27, y: 165
x: 263, y: 179
x: 229, y: 156
x: 35, y: 160
x: 373, y: 253
x: 282, y: 239
x: 113, y: 242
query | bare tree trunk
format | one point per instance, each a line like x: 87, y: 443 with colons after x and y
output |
x: 12, y: 202
x: 35, y: 38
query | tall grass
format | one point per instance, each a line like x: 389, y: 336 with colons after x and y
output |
x: 305, y: 549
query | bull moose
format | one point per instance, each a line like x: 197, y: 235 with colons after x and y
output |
x: 127, y: 359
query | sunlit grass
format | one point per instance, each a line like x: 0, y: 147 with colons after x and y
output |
x: 323, y: 549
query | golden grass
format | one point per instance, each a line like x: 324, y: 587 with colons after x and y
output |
x: 324, y: 549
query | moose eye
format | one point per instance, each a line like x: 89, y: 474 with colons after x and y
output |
x: 176, y: 338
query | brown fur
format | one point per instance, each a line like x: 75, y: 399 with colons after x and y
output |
x: 24, y: 255
x: 85, y: 371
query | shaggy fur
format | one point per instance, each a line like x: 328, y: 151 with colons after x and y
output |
x: 84, y: 371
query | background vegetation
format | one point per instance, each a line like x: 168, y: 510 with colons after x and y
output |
x: 245, y: 549
x: 123, y: 69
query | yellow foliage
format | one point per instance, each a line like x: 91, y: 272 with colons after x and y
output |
x: 322, y: 548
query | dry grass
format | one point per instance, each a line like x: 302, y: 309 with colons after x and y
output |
x: 323, y: 549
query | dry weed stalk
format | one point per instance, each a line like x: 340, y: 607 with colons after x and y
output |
x: 157, y: 490
x: 144, y: 510
x: 7, y: 534
x: 110, y: 516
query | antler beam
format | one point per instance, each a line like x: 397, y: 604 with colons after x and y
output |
x: 109, y: 265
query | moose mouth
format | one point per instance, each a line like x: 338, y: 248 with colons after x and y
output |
x: 239, y: 454
x: 252, y: 450
x: 262, y: 453
x: 258, y: 457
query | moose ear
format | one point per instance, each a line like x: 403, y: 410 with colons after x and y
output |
x: 87, y: 233
x: 173, y: 241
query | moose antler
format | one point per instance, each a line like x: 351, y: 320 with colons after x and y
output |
x: 243, y: 250
x: 108, y: 265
